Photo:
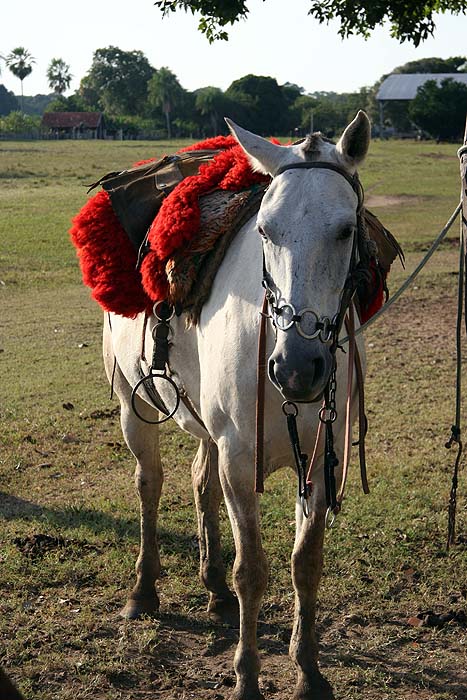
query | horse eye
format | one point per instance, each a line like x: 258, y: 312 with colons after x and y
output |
x: 261, y: 232
x: 346, y: 233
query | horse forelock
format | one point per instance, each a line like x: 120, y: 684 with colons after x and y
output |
x: 316, y: 145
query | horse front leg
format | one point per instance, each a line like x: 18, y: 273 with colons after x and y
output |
x: 307, y: 564
x: 250, y: 571
x: 223, y: 605
x: 143, y: 441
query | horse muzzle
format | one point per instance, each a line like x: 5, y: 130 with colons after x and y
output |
x: 301, y: 378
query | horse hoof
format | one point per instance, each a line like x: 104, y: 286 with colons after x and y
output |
x: 137, y: 607
x: 314, y: 687
x: 247, y: 694
x: 224, y: 610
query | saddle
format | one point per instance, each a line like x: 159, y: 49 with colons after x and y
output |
x: 137, y: 194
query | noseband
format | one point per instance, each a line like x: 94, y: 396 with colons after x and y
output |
x: 283, y: 313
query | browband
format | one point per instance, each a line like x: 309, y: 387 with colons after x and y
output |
x: 353, y: 180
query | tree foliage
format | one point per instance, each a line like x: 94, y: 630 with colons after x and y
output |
x: 165, y: 93
x: 73, y: 103
x: 211, y: 102
x: 261, y: 102
x: 20, y: 61
x: 432, y: 65
x: 117, y: 81
x: 215, y: 14
x: 20, y: 124
x: 58, y: 75
x: 410, y: 20
x: 440, y: 109
x: 8, y: 101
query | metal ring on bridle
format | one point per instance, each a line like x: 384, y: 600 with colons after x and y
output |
x: 315, y: 334
x: 158, y: 313
x: 134, y: 394
x: 327, y: 415
x: 293, y: 408
x: 279, y: 318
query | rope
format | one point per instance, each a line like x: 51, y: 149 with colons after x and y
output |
x: 456, y: 428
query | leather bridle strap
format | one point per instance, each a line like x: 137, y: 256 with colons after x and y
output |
x: 260, y: 389
x: 354, y: 360
x: 353, y: 180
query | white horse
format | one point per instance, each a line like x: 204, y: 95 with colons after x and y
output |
x: 304, y: 228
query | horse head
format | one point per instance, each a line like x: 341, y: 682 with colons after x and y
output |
x: 308, y: 224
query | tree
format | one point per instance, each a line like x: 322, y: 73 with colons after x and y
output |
x: 58, y: 75
x: 411, y: 20
x: 210, y: 102
x: 432, y: 65
x: 73, y: 103
x: 8, y: 102
x: 20, y: 61
x: 165, y: 93
x: 264, y: 104
x: 440, y: 109
x: 20, y: 124
x: 117, y: 81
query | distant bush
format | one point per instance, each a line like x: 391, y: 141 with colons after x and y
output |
x: 17, y: 123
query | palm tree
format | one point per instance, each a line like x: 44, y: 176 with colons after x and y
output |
x: 59, y: 76
x: 164, y: 91
x: 210, y: 103
x: 19, y: 62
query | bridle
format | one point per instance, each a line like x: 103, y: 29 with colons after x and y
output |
x: 283, y: 314
x: 284, y: 317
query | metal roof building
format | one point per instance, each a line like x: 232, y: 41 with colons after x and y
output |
x: 404, y: 86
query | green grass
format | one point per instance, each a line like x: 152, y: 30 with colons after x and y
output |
x: 66, y: 473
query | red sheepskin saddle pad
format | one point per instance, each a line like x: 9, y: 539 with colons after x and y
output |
x: 161, y: 229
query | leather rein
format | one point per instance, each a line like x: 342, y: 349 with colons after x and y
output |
x: 327, y: 331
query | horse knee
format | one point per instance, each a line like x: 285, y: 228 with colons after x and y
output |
x: 250, y: 576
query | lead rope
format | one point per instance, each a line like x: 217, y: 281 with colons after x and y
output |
x: 456, y: 428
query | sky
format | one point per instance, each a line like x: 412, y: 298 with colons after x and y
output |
x: 278, y: 39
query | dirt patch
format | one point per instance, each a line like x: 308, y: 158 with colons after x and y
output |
x: 438, y: 156
x: 387, y: 200
x: 37, y: 546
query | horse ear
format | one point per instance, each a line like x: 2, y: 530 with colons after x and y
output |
x: 354, y: 142
x: 264, y: 156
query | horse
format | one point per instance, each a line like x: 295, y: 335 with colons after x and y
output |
x: 300, y: 246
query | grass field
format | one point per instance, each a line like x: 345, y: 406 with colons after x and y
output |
x: 70, y: 529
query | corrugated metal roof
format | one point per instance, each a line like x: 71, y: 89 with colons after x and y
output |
x: 404, y: 86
